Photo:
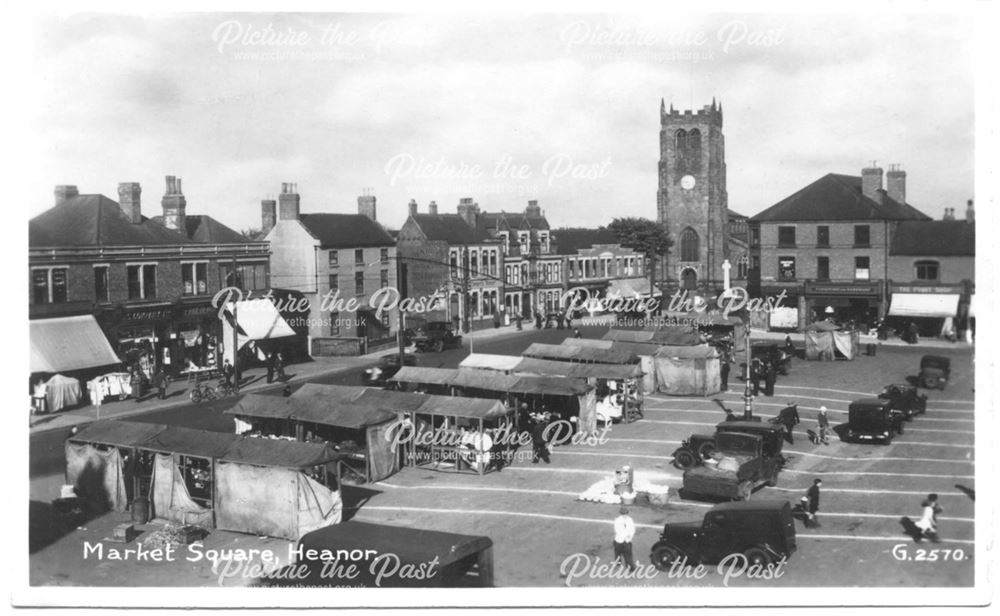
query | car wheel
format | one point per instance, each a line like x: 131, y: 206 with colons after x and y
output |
x: 705, y: 450
x: 758, y: 556
x: 665, y: 555
x: 122, y: 397
x: 195, y: 396
x: 684, y: 459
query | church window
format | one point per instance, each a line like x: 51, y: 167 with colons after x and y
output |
x: 689, y: 245
x: 680, y: 140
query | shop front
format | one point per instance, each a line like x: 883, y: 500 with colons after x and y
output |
x: 934, y: 309
x: 791, y: 314
x: 857, y: 304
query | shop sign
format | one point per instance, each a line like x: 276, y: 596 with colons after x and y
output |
x: 148, y: 314
x: 938, y: 289
x: 843, y: 288
x: 204, y: 310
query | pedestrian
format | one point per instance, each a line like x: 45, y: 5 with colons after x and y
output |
x: 517, y: 320
x: 40, y: 397
x: 912, y: 333
x: 928, y: 518
x: 789, y: 346
x: 813, y: 495
x: 724, y: 369
x: 136, y: 383
x: 228, y: 372
x: 756, y: 374
x: 269, y: 362
x: 560, y: 320
x: 279, y: 366
x: 287, y: 391
x: 770, y: 376
x: 538, y: 320
x: 823, y: 423
x: 160, y: 380
x: 624, y: 533
x: 496, y: 320
x: 539, y: 446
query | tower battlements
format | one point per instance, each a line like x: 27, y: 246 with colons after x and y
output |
x: 710, y: 113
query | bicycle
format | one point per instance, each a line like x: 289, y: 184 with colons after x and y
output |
x: 224, y: 390
x: 201, y: 392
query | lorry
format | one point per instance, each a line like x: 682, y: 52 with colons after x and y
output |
x: 747, y: 455
x: 435, y: 336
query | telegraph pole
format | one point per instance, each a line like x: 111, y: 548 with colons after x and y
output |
x: 236, y: 324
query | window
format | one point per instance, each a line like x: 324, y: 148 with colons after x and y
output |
x: 40, y: 286
x: 454, y: 264
x: 861, y: 268
x: 141, y: 281
x: 385, y: 320
x: 195, y: 278
x: 249, y: 276
x: 786, y: 268
x: 334, y: 323
x: 359, y: 256
x: 383, y: 278
x: 741, y: 268
x: 786, y: 237
x: 823, y: 268
x: 823, y: 236
x: 383, y: 255
x: 927, y: 270
x: 862, y: 236
x: 359, y: 283
x: 689, y: 245
x: 474, y: 262
x: 49, y: 285
x: 101, y: 288
x: 334, y: 258
x: 334, y: 282
x: 755, y: 235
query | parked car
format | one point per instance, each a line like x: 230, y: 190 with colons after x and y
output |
x: 748, y: 455
x: 436, y: 336
x: 388, y: 366
x: 935, y: 371
x: 905, y: 399
x: 872, y: 419
x: 761, y: 530
x: 697, y: 448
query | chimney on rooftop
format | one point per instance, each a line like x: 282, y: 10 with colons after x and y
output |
x: 432, y: 208
x: 174, y: 205
x: 533, y: 209
x: 268, y: 215
x: 871, y: 182
x: 129, y: 200
x: 64, y: 192
x: 469, y: 211
x: 366, y: 204
x: 949, y: 213
x: 288, y: 202
x: 970, y: 212
x: 895, y: 184
x: 412, y: 207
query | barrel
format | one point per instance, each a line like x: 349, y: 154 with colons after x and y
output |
x: 140, y: 510
x: 870, y: 349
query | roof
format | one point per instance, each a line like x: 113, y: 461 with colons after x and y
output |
x: 488, y: 221
x: 731, y: 214
x: 549, y: 386
x: 837, y: 197
x: 189, y: 441
x: 391, y: 400
x: 95, y: 220
x: 68, y: 343
x: 934, y: 238
x: 279, y: 452
x: 425, y: 376
x: 260, y: 405
x: 117, y: 433
x: 463, y: 407
x: 450, y: 228
x: 688, y: 352
x: 489, y: 361
x: 331, y: 405
x: 207, y: 230
x: 676, y: 336
x: 485, y: 379
x: 579, y: 354
x: 548, y: 367
x: 636, y: 348
x: 345, y: 230
x: 569, y: 241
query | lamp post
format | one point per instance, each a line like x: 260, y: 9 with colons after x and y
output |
x: 747, y: 396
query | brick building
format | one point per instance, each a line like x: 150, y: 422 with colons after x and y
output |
x: 595, y: 260
x: 338, y: 262
x: 827, y: 245
x: 148, y: 282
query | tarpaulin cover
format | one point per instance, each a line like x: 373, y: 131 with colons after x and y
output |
x: 61, y: 392
x: 389, y: 400
x: 546, y: 367
x: 261, y: 406
x: 171, y: 499
x: 117, y: 433
x: 463, y: 407
x: 629, y: 335
x: 549, y: 386
x: 68, y: 343
x: 425, y: 376
x: 189, y: 441
x: 579, y: 354
x: 319, y: 506
x: 588, y: 342
x: 382, y: 455
x: 821, y: 326
x: 687, y: 371
x: 674, y: 336
x: 97, y: 475
x: 640, y: 349
x: 281, y: 453
x: 488, y: 361
x: 847, y: 342
x: 489, y: 380
x: 258, y: 319
x: 588, y: 412
x: 819, y: 344
x: 339, y: 414
x: 936, y: 305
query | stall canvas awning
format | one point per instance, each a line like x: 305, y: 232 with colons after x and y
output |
x: 489, y: 361
x: 189, y: 441
x: 579, y: 354
x: 69, y: 343
x: 688, y: 352
x: 279, y: 453
x: 546, y: 367
x: 261, y: 406
x: 635, y: 348
x: 424, y: 376
x: 940, y: 305
x: 487, y: 380
x: 463, y: 407
x: 391, y: 400
x: 117, y: 433
x: 549, y: 386
x: 588, y: 342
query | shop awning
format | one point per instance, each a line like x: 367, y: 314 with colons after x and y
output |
x: 488, y: 361
x: 69, y: 343
x: 940, y: 305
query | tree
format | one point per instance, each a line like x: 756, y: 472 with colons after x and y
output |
x: 253, y: 233
x: 644, y: 236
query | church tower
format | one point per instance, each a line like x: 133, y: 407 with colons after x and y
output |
x: 691, y: 201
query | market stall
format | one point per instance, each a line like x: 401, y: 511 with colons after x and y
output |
x: 61, y: 392
x: 617, y: 387
x: 825, y: 341
x: 687, y: 370
x: 487, y: 361
x: 579, y: 354
x: 277, y: 488
x: 453, y: 433
x: 643, y: 350
x: 426, y: 380
x: 686, y: 335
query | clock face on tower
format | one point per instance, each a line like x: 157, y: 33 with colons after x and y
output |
x: 687, y: 182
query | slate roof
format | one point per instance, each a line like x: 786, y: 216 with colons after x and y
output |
x: 934, y: 238
x: 733, y: 214
x: 95, y: 220
x: 837, y: 197
x: 491, y: 221
x: 345, y: 230
x: 450, y: 228
x: 572, y: 240
x: 207, y: 230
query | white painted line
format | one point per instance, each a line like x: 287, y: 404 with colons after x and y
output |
x: 879, y: 459
x: 874, y: 474
x: 885, y: 516
x: 838, y: 391
x: 903, y: 538
x: 914, y: 429
x: 548, y: 468
x: 894, y: 444
x: 880, y: 491
x: 439, y: 486
x: 611, y: 453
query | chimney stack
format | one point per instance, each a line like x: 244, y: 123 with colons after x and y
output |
x: 268, y: 215
x: 366, y: 205
x: 64, y: 192
x: 288, y: 202
x: 533, y: 209
x: 174, y: 206
x: 871, y: 182
x: 129, y: 200
x: 432, y: 208
x: 949, y: 213
x: 895, y: 183
x: 413, y: 207
x: 469, y: 211
x: 970, y: 212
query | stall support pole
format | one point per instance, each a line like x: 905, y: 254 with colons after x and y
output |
x: 747, y: 398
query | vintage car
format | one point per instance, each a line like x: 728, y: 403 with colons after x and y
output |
x: 772, y: 353
x: 934, y: 371
x: 697, y: 448
x: 435, y: 336
x: 388, y: 366
x: 905, y: 399
x: 873, y: 419
x: 762, y: 530
x: 747, y: 455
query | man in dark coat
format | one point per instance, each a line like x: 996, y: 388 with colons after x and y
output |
x: 813, y: 495
x: 227, y: 373
x: 540, y: 447
x: 770, y: 375
x: 270, y: 367
x: 279, y: 366
x: 724, y: 369
x: 756, y: 374
x: 161, y: 380
x: 136, y: 383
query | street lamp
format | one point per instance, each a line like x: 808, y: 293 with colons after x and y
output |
x: 744, y: 260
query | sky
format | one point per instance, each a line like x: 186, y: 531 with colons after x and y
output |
x: 561, y: 108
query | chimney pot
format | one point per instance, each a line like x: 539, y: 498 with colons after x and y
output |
x: 871, y: 182
x: 268, y: 215
x: 895, y: 183
x: 366, y: 205
x: 413, y: 207
x: 432, y: 208
x: 288, y: 202
x: 174, y: 205
x: 129, y: 200
x: 64, y: 192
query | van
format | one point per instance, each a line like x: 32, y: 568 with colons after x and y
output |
x: 873, y: 420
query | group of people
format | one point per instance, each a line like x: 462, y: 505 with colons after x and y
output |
x: 138, y: 381
x: 562, y: 319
